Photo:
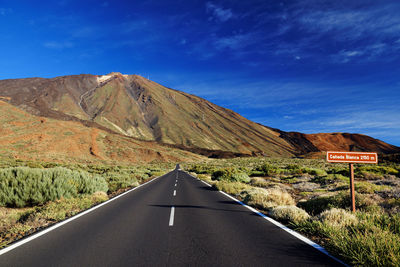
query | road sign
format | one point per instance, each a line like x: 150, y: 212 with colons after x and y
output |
x: 352, y: 157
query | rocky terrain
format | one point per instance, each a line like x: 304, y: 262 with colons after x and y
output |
x: 132, y: 106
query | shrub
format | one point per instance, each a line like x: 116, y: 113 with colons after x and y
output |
x: 230, y: 174
x: 294, y: 169
x: 233, y: 188
x: 259, y: 182
x: 201, y: 169
x: 367, y: 247
x: 23, y: 186
x: 342, y: 200
x: 266, y: 198
x: 289, y: 214
x: 330, y: 179
x: 338, y: 217
x: 315, y: 172
x: 369, y: 188
x: 269, y: 169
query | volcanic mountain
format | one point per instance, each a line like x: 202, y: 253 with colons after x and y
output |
x: 132, y: 106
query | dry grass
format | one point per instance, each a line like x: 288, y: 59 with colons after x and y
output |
x: 338, y: 217
x: 266, y: 198
x: 289, y: 214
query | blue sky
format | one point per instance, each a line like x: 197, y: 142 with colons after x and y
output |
x: 308, y: 66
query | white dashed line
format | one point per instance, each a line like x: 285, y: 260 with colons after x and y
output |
x: 171, y: 216
x: 174, y: 192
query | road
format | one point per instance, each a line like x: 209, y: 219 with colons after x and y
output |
x: 176, y: 220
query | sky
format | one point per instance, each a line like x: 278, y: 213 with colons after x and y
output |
x: 307, y: 66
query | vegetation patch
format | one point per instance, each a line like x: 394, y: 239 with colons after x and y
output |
x: 230, y: 174
x: 289, y: 214
x: 24, y: 186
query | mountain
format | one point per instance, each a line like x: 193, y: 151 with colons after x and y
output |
x: 29, y: 137
x: 130, y: 105
x: 311, y: 143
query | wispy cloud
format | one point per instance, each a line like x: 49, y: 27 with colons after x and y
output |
x: 5, y: 11
x: 58, y: 45
x: 219, y: 13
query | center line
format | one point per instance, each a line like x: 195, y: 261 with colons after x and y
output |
x: 171, y: 217
x: 174, y: 192
x: 175, y: 184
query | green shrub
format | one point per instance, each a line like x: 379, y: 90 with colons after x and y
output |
x: 315, y: 172
x: 201, y: 169
x: 369, y: 188
x: 230, y: 174
x: 23, y: 186
x: 330, y: 179
x: 289, y: 214
x: 342, y: 200
x: 294, y: 169
x: 233, y: 188
x: 269, y: 169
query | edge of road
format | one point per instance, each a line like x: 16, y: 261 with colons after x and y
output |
x: 61, y: 223
x: 278, y: 224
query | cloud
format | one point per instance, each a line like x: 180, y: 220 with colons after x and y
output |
x: 218, y: 12
x: 5, y: 11
x: 353, y: 24
x: 235, y: 42
x: 58, y: 45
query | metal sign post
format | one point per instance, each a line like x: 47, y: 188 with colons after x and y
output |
x: 351, y: 158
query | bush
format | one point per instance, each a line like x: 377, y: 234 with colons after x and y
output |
x: 23, y: 186
x: 294, y: 169
x: 315, y: 172
x: 233, y: 188
x: 266, y: 198
x: 369, y: 188
x: 230, y: 174
x: 338, y: 217
x: 289, y: 214
x: 342, y: 200
x: 330, y: 179
x: 201, y: 169
x: 269, y: 169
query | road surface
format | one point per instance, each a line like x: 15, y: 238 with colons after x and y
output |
x: 175, y: 220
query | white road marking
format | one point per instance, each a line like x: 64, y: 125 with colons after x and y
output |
x: 207, y: 184
x: 174, y: 192
x: 55, y: 226
x: 283, y: 227
x: 171, y: 216
x: 175, y: 184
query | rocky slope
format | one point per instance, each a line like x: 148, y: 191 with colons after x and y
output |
x: 133, y: 106
x: 28, y: 137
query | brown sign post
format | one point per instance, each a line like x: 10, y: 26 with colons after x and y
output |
x: 351, y: 158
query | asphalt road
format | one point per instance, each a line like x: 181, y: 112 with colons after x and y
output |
x: 175, y: 220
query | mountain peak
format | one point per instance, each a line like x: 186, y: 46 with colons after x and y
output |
x: 137, y: 107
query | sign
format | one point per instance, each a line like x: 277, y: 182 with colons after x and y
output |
x: 352, y: 157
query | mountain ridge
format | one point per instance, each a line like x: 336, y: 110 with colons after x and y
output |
x: 137, y: 107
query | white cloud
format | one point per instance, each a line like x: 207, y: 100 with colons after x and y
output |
x: 235, y: 42
x: 218, y: 12
x: 58, y: 45
x: 5, y: 11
